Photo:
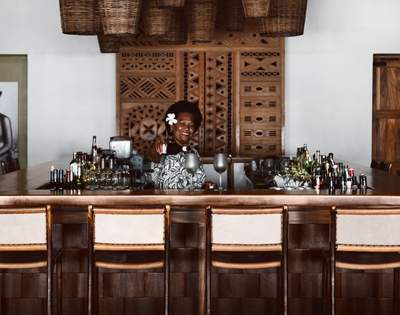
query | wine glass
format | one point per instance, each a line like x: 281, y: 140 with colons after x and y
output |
x: 220, y: 166
x: 191, y: 164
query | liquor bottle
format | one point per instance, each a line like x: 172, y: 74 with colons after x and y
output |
x: 67, y: 181
x: 318, y: 156
x: 94, y: 150
x: 111, y: 163
x: 74, y: 166
x: 60, y: 185
x: 78, y: 178
x: 102, y: 163
x: 52, y: 178
x: 330, y: 159
x: 331, y: 183
x: 317, y: 178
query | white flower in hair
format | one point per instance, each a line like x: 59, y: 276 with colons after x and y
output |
x: 171, y: 119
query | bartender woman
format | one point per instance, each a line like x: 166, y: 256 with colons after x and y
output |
x: 182, y: 120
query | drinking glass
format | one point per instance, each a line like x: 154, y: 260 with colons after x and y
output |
x: 220, y: 166
x: 191, y: 164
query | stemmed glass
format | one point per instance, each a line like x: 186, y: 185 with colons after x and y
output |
x: 220, y: 166
x: 191, y: 164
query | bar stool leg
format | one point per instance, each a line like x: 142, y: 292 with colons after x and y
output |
x: 396, y: 278
x: 2, y: 298
x: 49, y: 261
x: 325, y: 284
x: 166, y: 284
x: 208, y: 264
x: 58, y: 288
x: 279, y: 288
x: 332, y: 271
x: 49, y: 289
x: 91, y: 267
x: 90, y: 290
x: 95, y: 291
x: 167, y: 238
x: 284, y: 264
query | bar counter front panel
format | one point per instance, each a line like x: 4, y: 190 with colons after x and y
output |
x: 233, y: 292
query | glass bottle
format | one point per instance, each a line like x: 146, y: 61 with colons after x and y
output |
x: 93, y: 151
x: 74, y: 165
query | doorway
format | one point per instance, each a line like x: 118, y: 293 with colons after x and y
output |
x: 13, y: 102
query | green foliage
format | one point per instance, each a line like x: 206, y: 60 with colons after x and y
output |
x: 299, y: 169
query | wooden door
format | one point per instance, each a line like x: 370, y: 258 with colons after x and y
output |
x: 386, y: 110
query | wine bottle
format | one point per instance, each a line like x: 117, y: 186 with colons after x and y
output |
x: 78, y: 178
x: 94, y: 149
x: 74, y: 165
x: 60, y: 179
x: 52, y: 178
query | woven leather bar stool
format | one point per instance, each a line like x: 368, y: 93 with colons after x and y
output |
x: 254, y: 230
x: 127, y: 230
x: 26, y: 243
x: 359, y: 232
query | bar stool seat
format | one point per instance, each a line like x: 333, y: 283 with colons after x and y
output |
x: 247, y: 230
x: 26, y: 243
x: 116, y: 234
x: 365, y: 239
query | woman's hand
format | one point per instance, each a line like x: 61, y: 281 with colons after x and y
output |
x: 209, y: 185
x: 160, y: 145
x: 156, y: 149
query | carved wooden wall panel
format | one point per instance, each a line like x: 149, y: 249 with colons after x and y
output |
x: 218, y: 102
x: 260, y: 103
x: 147, y: 86
x: 236, y: 79
x: 193, y: 91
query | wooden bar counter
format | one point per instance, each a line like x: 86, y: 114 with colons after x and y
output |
x: 234, y: 292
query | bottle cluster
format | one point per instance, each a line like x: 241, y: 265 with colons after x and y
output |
x: 99, y: 169
x: 326, y: 173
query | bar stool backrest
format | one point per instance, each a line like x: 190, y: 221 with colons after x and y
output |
x: 243, y: 230
x: 368, y: 227
x: 23, y: 227
x: 247, y: 226
x: 128, y: 226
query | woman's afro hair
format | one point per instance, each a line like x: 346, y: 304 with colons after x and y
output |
x: 185, y: 107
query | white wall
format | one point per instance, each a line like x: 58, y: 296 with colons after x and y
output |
x: 71, y: 86
x: 329, y: 74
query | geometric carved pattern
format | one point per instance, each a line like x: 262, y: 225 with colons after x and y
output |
x: 264, y: 103
x: 136, y: 87
x: 148, y: 61
x: 260, y: 149
x: 218, y: 103
x: 260, y: 105
x: 259, y: 89
x: 260, y: 64
x: 272, y: 118
x: 148, y: 85
x: 143, y: 123
x: 194, y: 89
x: 208, y: 81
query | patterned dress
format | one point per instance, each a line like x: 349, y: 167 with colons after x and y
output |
x: 170, y: 173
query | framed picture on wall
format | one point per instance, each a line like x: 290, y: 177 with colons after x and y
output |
x: 9, y: 121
